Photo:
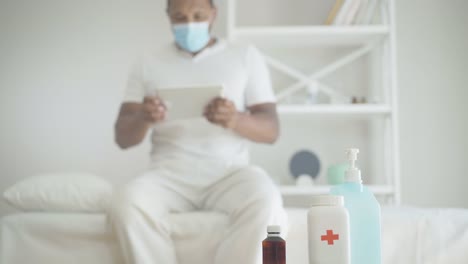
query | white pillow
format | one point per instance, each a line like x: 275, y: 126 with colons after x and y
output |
x: 64, y: 192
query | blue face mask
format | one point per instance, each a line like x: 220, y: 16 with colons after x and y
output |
x: 192, y: 36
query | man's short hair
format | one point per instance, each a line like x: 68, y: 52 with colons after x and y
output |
x: 211, y: 3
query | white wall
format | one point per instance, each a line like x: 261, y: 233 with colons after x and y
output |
x: 63, y: 66
x: 433, y: 60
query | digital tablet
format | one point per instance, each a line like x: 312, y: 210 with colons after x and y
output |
x: 188, y: 102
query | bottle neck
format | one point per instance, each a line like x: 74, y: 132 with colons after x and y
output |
x: 353, y: 175
x: 273, y: 234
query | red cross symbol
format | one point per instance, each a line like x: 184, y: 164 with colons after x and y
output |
x: 330, y: 237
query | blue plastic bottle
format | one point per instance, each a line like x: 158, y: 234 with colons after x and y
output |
x: 364, y: 215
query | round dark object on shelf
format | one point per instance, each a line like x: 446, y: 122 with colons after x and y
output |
x: 304, y: 162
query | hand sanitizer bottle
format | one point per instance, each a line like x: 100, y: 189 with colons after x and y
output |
x: 364, y: 215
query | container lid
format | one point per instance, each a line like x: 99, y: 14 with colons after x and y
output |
x: 274, y: 229
x: 327, y: 200
x: 353, y: 174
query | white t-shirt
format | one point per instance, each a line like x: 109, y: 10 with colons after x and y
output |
x: 240, y: 69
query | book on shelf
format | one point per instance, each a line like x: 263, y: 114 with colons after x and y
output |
x: 362, y: 12
x: 343, y: 12
x: 352, y: 12
x: 370, y: 12
x: 334, y: 11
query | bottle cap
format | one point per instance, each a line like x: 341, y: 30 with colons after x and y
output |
x: 274, y: 229
x: 353, y: 174
x: 327, y: 200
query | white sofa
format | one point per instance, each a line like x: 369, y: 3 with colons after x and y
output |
x: 412, y: 236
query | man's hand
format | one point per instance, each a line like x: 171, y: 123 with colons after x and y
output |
x: 135, y: 119
x: 222, y: 112
x: 153, y: 110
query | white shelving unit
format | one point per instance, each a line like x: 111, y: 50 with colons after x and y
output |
x: 363, y: 40
x: 311, y: 35
x: 335, y: 109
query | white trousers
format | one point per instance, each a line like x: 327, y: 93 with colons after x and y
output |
x: 246, y: 195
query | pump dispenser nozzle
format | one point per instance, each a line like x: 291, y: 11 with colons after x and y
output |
x: 353, y: 174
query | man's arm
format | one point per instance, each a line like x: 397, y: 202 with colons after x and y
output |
x: 260, y: 124
x: 135, y: 119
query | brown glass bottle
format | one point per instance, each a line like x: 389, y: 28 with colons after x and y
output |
x: 274, y: 247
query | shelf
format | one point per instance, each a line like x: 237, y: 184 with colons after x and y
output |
x: 311, y: 35
x: 369, y: 109
x: 325, y: 189
x: 289, y: 49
